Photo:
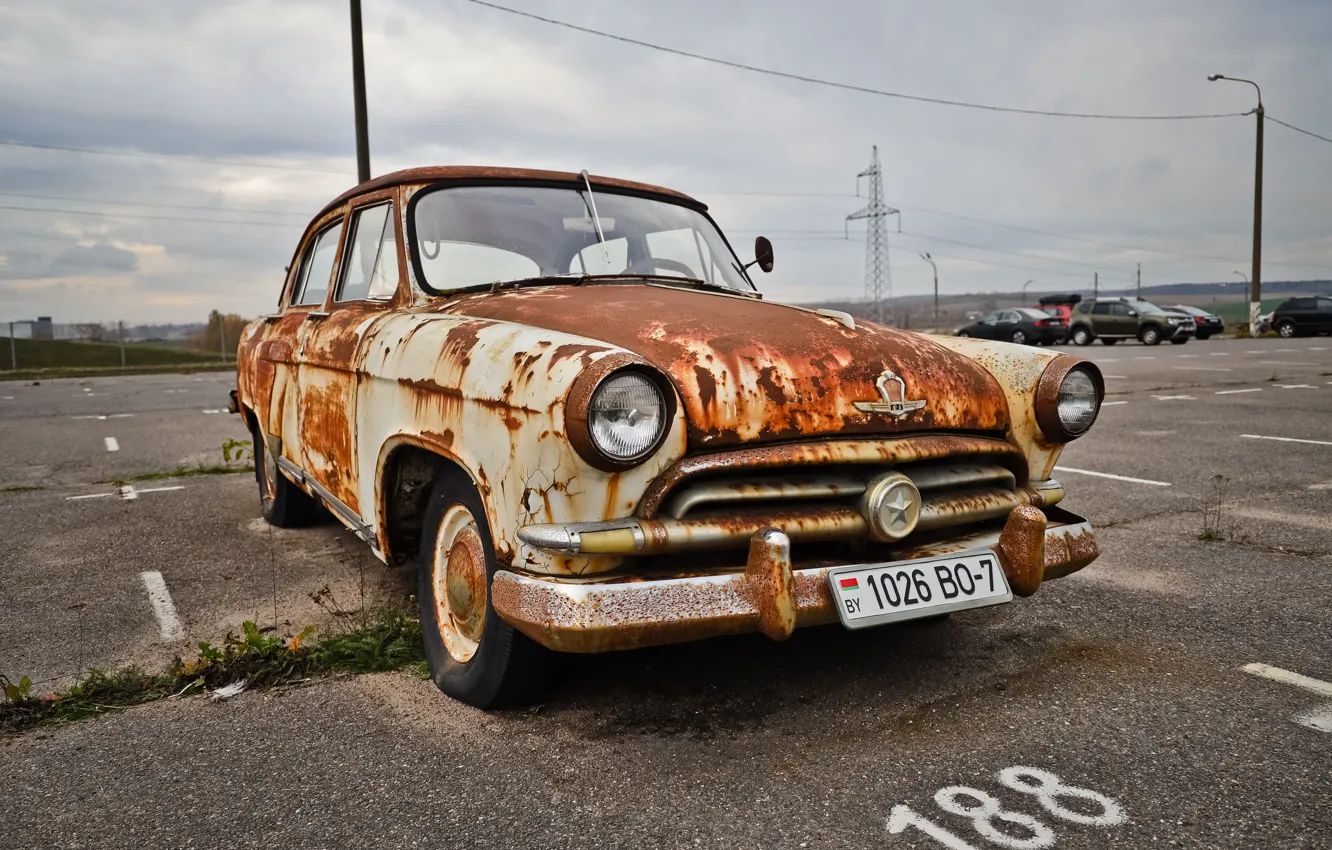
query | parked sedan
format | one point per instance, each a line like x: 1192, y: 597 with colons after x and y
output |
x: 1209, y: 324
x: 1022, y: 325
x: 561, y: 399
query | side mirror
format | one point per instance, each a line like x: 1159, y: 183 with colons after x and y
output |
x: 762, y: 254
x: 1133, y: 313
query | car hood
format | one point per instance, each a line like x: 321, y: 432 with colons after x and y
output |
x: 754, y: 371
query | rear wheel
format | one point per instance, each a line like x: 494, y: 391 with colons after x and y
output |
x: 963, y: 334
x: 283, y: 503
x: 1203, y: 336
x: 1082, y: 335
x: 1150, y: 335
x: 474, y: 656
x: 1285, y: 329
x: 1019, y: 338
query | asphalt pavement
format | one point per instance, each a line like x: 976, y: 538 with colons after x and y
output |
x: 1111, y: 709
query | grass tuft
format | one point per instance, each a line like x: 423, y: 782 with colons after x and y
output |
x: 19, y: 488
x: 388, y: 640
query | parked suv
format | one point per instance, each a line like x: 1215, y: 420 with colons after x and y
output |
x: 1303, y: 316
x: 1113, y: 319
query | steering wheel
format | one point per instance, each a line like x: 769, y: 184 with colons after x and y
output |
x: 643, y: 266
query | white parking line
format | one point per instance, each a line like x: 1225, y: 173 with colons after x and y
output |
x: 1297, y: 386
x: 160, y: 598
x: 1286, y: 677
x: 105, y: 416
x: 1120, y: 377
x: 1146, y: 357
x: 1188, y: 357
x: 1316, y: 348
x: 1286, y: 440
x: 1112, y: 477
x: 89, y: 496
x: 1286, y: 363
x: 111, y: 444
x: 1220, y: 353
x: 1108, y: 403
x: 161, y: 489
x: 6, y: 398
x: 212, y: 411
x: 1202, y: 368
x: 1107, y: 360
x: 1174, y: 398
x: 1233, y: 392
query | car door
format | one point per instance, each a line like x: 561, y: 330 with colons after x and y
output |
x: 1123, y: 319
x: 278, y: 364
x: 987, y: 328
x: 1323, y: 316
x: 364, y: 287
x: 1103, y: 320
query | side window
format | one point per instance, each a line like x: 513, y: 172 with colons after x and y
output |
x: 1009, y: 316
x: 1084, y: 307
x: 1325, y: 305
x: 991, y: 319
x: 1122, y: 309
x: 317, y: 267
x: 370, y: 270
x: 1101, y: 308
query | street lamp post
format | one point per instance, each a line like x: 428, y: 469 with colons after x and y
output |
x: 1255, y: 278
x: 1024, y: 292
x: 927, y: 258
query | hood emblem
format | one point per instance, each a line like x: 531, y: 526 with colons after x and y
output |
x: 895, y: 403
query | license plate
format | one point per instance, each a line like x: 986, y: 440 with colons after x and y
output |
x: 903, y: 590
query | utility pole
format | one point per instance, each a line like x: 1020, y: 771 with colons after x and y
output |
x: 358, y: 95
x: 120, y: 326
x: 13, y: 352
x: 222, y: 334
x: 878, y: 277
x: 927, y: 258
x: 1255, y: 276
x: 1139, y: 281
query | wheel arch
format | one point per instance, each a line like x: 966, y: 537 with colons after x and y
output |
x: 407, y: 469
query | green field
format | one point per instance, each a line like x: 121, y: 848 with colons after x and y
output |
x: 74, y: 354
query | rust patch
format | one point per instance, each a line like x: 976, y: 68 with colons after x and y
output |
x: 583, y: 353
x: 800, y: 378
x: 768, y: 576
x: 1022, y: 549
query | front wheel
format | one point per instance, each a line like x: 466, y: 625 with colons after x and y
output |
x: 1285, y: 329
x: 473, y: 655
x: 1082, y: 336
x: 282, y: 503
x: 1151, y: 335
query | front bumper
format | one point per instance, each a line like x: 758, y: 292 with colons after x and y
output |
x: 601, y: 614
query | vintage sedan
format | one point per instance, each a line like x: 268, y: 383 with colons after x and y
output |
x: 562, y: 400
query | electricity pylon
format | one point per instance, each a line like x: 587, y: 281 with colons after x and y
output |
x: 878, y: 276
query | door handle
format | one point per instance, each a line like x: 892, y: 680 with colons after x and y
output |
x: 317, y: 314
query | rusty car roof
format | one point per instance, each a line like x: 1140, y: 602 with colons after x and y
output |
x: 431, y: 173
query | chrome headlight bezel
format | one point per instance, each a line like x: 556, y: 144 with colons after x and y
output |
x: 1052, y: 390
x: 580, y: 417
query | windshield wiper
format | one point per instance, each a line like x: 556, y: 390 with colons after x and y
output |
x: 545, y: 279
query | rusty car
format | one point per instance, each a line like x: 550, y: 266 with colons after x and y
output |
x: 562, y: 400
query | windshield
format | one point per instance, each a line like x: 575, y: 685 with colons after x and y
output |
x: 1030, y: 313
x: 476, y: 235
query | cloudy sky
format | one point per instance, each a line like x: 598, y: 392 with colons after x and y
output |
x: 233, y: 124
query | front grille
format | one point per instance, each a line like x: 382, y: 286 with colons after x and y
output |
x: 954, y: 492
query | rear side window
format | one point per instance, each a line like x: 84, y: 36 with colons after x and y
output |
x: 1102, y: 309
x: 1298, y: 304
x: 370, y: 271
x: 1325, y: 305
x: 317, y: 267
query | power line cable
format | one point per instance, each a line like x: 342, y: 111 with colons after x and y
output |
x: 14, y: 143
x: 160, y: 204
x: 1298, y: 129
x: 846, y: 86
x: 104, y: 214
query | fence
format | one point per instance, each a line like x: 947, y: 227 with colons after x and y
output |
x: 43, y: 344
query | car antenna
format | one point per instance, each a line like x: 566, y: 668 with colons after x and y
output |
x: 596, y: 219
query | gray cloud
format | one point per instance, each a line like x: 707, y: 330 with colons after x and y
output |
x: 93, y: 261
x: 455, y: 83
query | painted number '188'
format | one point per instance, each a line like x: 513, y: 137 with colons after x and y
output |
x: 998, y: 825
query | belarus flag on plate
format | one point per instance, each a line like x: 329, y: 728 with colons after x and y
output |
x: 849, y: 583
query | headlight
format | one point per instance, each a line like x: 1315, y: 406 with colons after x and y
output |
x: 626, y: 417
x: 1172, y: 321
x: 618, y: 412
x: 1068, y: 398
x: 1077, y: 402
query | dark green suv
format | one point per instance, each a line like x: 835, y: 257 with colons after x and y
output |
x: 1113, y: 319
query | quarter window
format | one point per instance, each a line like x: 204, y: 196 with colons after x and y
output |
x: 371, y: 268
x: 318, y: 267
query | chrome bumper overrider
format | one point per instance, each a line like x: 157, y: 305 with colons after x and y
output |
x: 599, y: 614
